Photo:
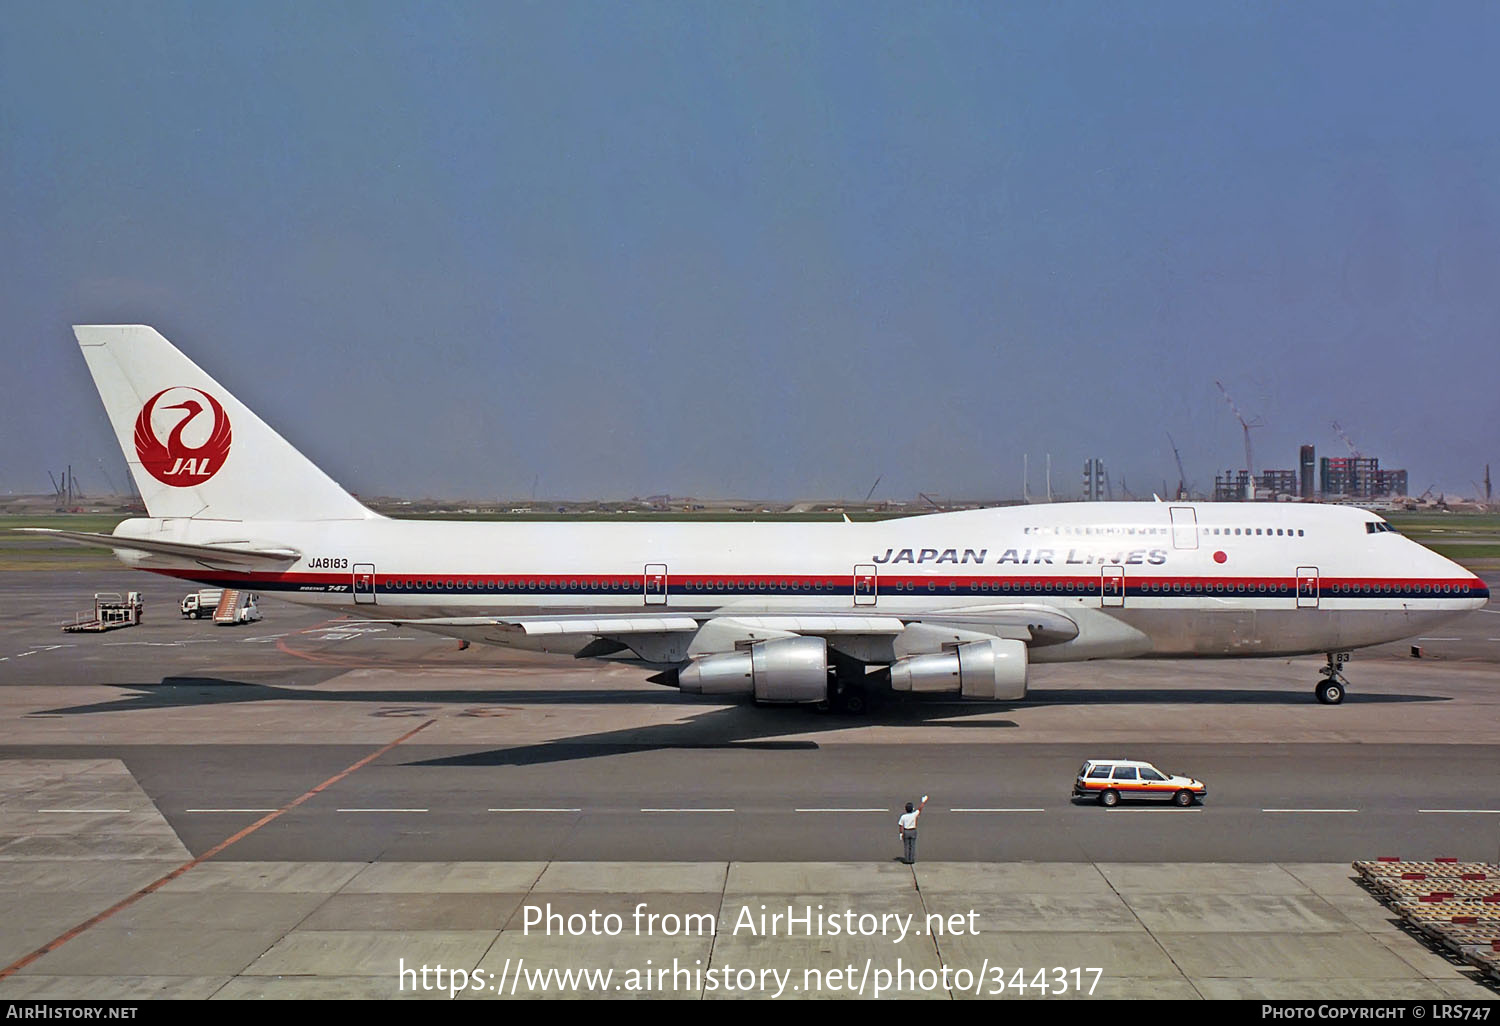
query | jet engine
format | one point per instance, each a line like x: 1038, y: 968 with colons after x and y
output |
x: 781, y: 670
x: 980, y: 669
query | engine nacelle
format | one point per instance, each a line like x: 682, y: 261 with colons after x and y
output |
x: 782, y: 670
x: 981, y: 669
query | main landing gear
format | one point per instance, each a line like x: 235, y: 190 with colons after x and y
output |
x: 1332, y: 688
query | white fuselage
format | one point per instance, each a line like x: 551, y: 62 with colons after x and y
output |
x: 1139, y: 579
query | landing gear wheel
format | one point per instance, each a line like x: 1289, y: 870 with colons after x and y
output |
x: 1183, y: 798
x: 851, y: 701
x: 1109, y: 798
x: 1332, y: 688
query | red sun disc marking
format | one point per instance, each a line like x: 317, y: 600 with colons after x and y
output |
x: 1221, y: 557
x: 174, y: 462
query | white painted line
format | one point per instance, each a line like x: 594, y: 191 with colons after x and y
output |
x: 841, y: 810
x: 431, y: 639
x: 1475, y: 812
x: 1309, y: 810
x: 997, y: 810
x: 381, y: 810
x: 535, y: 810
x: 687, y: 810
x: 228, y: 810
x: 1440, y: 639
x: 84, y: 812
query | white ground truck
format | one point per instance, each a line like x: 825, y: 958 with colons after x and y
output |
x: 199, y: 604
x: 226, y: 606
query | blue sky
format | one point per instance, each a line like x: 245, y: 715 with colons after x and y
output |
x: 770, y: 249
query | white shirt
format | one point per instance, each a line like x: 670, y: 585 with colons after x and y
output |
x: 908, y: 820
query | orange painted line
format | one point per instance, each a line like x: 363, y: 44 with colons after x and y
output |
x: 341, y: 660
x: 216, y: 849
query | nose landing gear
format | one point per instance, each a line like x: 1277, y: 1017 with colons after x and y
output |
x: 1332, y: 688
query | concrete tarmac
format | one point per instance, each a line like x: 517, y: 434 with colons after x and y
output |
x: 532, y: 780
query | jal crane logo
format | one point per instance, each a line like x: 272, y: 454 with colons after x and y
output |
x: 196, y: 447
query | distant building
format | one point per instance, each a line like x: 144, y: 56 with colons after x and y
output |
x: 1093, y: 480
x: 1232, y: 486
x: 1339, y: 478
x: 1273, y: 483
x: 1390, y: 482
x: 1358, y: 477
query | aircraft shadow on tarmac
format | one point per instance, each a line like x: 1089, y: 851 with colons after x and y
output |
x: 741, y: 727
x: 186, y: 692
x: 735, y: 727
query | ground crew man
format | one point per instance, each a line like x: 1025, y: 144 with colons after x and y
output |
x: 907, y: 829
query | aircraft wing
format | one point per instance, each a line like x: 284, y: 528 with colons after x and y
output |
x: 460, y: 626
x: 239, y: 554
x: 674, y: 636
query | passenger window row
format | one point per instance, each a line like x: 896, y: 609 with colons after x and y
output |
x: 1258, y: 531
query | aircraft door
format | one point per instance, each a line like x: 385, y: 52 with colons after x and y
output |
x: 1184, y: 527
x: 1307, y: 587
x: 1112, y: 585
x: 364, y: 584
x: 866, y: 584
x: 655, y: 584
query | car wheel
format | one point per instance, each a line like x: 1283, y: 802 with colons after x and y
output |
x: 1109, y: 798
x: 1183, y: 798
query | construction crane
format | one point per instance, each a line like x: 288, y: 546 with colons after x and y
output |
x: 1182, y: 488
x: 1353, y: 449
x: 113, y: 488
x: 1246, y: 425
x: 66, y: 491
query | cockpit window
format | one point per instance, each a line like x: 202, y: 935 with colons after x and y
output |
x: 1378, y: 527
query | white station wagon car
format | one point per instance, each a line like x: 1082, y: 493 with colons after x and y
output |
x: 1109, y: 780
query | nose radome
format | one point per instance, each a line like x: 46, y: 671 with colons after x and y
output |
x: 1475, y: 591
x: 1479, y: 591
x: 1441, y: 567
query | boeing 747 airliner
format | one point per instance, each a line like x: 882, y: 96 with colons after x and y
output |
x: 950, y: 603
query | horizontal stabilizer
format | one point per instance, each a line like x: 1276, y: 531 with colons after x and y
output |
x: 223, y: 554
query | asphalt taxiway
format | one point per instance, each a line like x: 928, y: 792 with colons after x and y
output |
x: 344, y: 757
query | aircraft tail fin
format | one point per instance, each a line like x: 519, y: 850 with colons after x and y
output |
x: 192, y: 447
